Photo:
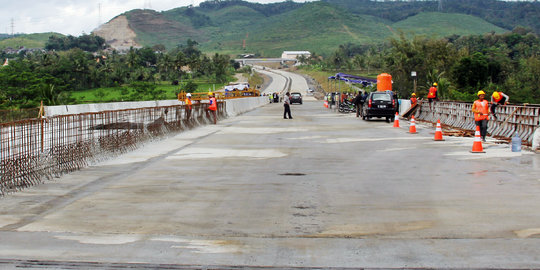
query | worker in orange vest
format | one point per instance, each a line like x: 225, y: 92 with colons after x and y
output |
x: 212, y: 107
x: 414, y: 101
x: 432, y: 95
x: 480, y: 109
x: 498, y: 98
x: 187, y: 105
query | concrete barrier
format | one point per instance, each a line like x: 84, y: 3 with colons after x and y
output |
x: 233, y: 106
x: 101, y: 107
x: 238, y: 106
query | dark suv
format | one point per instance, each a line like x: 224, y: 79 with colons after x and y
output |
x: 380, y: 104
x: 296, y: 98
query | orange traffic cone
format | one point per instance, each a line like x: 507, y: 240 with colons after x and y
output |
x: 477, y: 145
x: 326, y: 103
x: 412, y: 127
x: 438, y: 132
x: 396, y: 120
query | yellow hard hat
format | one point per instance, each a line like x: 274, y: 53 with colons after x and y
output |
x: 414, y: 94
x: 496, y: 95
x: 481, y: 93
x: 435, y: 84
x: 210, y: 93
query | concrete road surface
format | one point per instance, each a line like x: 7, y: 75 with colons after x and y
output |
x: 320, y: 190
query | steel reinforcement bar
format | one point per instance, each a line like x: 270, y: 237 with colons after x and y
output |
x: 37, y: 149
x: 510, y: 118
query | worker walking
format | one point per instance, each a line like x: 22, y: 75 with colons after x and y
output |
x: 212, y: 107
x: 187, y: 106
x: 498, y: 98
x: 286, y: 106
x: 480, y: 109
x: 432, y: 94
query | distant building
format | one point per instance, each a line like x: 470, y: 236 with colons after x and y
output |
x: 294, y: 54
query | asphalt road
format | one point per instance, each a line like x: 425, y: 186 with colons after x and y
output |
x: 321, y: 190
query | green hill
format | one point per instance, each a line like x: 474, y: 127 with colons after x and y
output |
x: 441, y: 24
x: 315, y: 26
x: 37, y: 40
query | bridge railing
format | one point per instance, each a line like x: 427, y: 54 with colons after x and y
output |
x: 33, y: 150
x: 524, y: 120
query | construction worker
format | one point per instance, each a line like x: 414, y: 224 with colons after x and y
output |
x: 212, y: 107
x: 432, y: 95
x: 480, y: 109
x: 498, y: 98
x: 414, y: 101
x: 287, y: 106
x: 187, y: 106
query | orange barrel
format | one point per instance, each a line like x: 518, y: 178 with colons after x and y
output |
x: 384, y: 82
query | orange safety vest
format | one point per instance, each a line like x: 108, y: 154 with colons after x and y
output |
x: 432, y: 92
x: 500, y: 97
x: 213, y: 104
x: 413, y: 101
x: 482, y: 107
x: 188, y: 103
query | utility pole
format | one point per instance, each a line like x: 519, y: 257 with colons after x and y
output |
x: 440, y: 8
x: 99, y: 16
x: 12, y: 27
x: 148, y: 4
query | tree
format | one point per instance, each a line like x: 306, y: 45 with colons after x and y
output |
x: 471, y: 72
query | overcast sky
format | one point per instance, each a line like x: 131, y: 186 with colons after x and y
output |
x: 75, y: 17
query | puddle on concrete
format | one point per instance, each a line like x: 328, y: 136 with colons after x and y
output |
x: 206, y: 153
x: 292, y: 174
x: 113, y: 239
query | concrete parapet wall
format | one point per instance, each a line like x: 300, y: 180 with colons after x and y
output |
x: 233, y: 106
x: 524, y: 120
x: 238, y: 106
x: 101, y: 107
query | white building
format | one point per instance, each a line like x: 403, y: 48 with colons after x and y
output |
x: 294, y: 54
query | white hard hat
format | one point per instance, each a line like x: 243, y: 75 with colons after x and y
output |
x: 188, y: 95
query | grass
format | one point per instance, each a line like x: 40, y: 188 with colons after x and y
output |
x: 440, y: 24
x: 28, y: 41
x: 116, y: 94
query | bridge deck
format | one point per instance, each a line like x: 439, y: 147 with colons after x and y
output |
x: 320, y: 190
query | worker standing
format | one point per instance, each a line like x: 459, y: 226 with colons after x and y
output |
x: 498, y: 98
x: 187, y: 106
x: 432, y: 94
x: 212, y: 107
x: 414, y: 100
x: 358, y: 103
x: 286, y: 106
x: 480, y: 109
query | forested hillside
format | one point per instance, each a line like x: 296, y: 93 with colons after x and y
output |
x: 222, y: 26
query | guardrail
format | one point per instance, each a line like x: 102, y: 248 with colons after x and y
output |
x: 36, y: 149
x: 510, y: 118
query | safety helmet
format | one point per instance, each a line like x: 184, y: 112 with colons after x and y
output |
x: 481, y: 93
x: 413, y: 94
x: 496, y: 95
x: 210, y: 93
x: 188, y: 95
x: 434, y: 84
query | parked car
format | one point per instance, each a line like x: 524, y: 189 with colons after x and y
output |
x: 380, y: 104
x: 296, y: 98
